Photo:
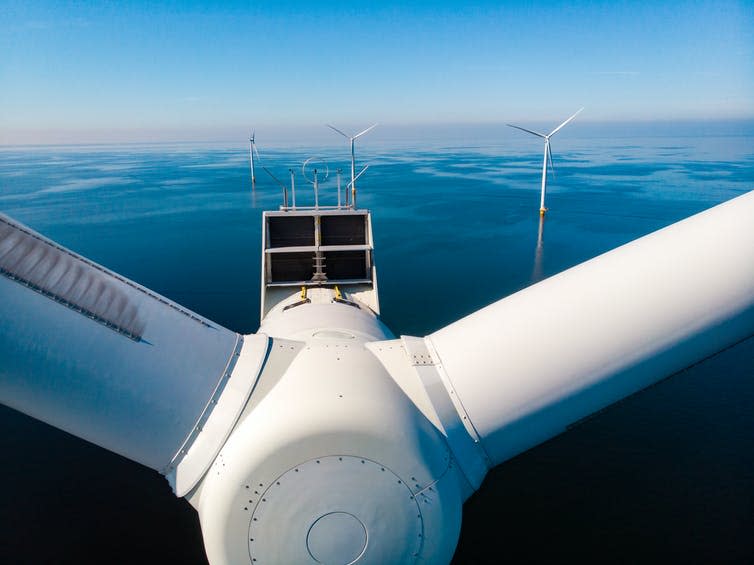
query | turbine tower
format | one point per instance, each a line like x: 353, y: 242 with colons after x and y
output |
x: 352, y: 138
x: 252, y: 150
x: 547, y: 157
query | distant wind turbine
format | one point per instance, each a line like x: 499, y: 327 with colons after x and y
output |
x: 252, y: 150
x: 547, y: 156
x: 352, y: 138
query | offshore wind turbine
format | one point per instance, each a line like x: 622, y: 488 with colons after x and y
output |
x: 252, y: 150
x: 547, y: 157
x: 352, y: 138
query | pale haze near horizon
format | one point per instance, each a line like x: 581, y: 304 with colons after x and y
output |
x: 195, y: 71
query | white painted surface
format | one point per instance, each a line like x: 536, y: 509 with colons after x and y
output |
x: 141, y: 398
x: 334, y: 403
x: 301, y: 322
x: 203, y: 449
x: 415, y: 368
x: 529, y: 365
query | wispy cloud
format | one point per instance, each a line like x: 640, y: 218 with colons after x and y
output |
x: 616, y: 73
x: 489, y: 68
x: 46, y: 25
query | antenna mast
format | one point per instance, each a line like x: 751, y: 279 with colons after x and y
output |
x: 285, y: 188
x: 354, y: 176
x: 314, y: 180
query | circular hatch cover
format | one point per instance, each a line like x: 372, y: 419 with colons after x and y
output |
x: 336, y: 510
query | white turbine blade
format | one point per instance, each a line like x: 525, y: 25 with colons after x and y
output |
x: 557, y: 129
x: 364, y: 170
x: 523, y: 369
x: 107, y: 360
x: 549, y: 158
x: 254, y: 145
x: 337, y: 130
x: 273, y: 177
x: 370, y: 128
x: 527, y: 131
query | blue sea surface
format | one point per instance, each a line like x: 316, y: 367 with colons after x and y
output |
x: 664, y: 476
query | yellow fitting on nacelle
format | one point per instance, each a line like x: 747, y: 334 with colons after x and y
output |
x: 338, y: 295
x: 303, y: 293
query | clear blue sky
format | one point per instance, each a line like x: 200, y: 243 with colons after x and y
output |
x: 83, y: 67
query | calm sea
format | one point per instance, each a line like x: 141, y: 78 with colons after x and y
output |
x: 665, y: 476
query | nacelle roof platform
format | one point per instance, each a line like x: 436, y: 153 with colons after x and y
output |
x: 318, y: 247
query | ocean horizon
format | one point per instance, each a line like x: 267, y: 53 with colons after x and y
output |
x: 492, y: 131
